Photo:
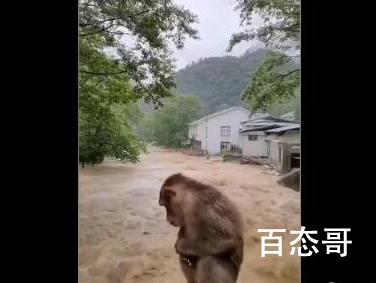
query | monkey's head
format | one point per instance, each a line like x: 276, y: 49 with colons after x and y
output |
x: 173, y: 196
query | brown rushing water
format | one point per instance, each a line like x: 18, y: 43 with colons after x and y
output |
x: 124, y: 236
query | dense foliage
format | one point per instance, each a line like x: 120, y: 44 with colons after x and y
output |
x: 291, y: 104
x: 221, y: 82
x: 274, y: 81
x: 138, y: 33
x: 218, y: 81
x: 168, y: 126
x: 280, y: 28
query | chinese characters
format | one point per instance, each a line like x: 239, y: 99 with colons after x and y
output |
x: 336, y: 239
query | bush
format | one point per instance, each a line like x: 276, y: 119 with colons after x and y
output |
x: 226, y: 156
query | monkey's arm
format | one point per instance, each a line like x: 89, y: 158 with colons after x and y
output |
x: 203, y: 247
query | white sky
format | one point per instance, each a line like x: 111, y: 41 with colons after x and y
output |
x: 217, y: 22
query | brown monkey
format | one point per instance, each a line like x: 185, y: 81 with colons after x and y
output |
x: 210, y: 238
x: 291, y: 180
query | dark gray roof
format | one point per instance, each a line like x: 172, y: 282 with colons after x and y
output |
x: 267, y: 118
x: 281, y: 130
x: 276, y: 119
x: 219, y: 113
x: 261, y: 128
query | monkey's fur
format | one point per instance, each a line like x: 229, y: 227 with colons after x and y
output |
x: 210, y: 238
x: 291, y: 180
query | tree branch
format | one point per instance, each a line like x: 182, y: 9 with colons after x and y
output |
x: 113, y: 19
x: 282, y: 76
x: 103, y: 29
x: 288, y: 13
x: 98, y: 23
x: 140, y: 13
x: 286, y: 28
x: 104, y: 74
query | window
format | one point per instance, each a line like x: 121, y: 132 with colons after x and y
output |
x: 225, y: 131
x: 224, y: 146
x: 295, y: 160
x: 252, y: 137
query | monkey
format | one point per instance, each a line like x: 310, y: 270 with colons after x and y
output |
x: 210, y: 238
x: 291, y: 180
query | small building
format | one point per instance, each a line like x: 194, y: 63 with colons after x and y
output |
x: 252, y: 140
x: 284, y: 147
x: 253, y: 134
x: 219, y: 131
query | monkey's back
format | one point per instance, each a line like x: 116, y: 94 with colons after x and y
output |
x: 221, y: 218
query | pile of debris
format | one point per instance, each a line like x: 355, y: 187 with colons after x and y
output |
x: 196, y: 152
x: 254, y: 160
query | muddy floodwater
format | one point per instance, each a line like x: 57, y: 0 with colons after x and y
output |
x: 124, y: 235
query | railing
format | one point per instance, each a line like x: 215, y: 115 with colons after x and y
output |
x: 234, y: 149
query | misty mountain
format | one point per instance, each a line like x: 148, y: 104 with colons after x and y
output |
x: 218, y: 81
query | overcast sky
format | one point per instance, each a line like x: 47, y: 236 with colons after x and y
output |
x: 218, y: 21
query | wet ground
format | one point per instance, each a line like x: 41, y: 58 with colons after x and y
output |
x: 124, y: 236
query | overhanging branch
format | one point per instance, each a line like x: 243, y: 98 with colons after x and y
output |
x: 282, y: 76
x: 101, y: 29
x: 104, y: 74
x: 98, y: 23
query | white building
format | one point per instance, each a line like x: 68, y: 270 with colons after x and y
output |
x: 284, y: 147
x: 220, y: 130
x: 253, y: 141
x: 253, y: 134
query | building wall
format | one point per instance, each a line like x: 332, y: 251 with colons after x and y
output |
x: 280, y: 150
x: 231, y: 119
x: 208, y: 131
x: 257, y: 147
x: 273, y: 150
x: 192, y: 131
x: 291, y: 136
x: 198, y: 131
x: 201, y: 134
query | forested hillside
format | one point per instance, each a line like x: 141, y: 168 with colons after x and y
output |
x: 218, y: 81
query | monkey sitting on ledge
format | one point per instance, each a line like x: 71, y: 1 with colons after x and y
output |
x: 210, y: 238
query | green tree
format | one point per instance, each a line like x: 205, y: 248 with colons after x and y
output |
x: 106, y: 107
x: 170, y: 123
x: 286, y: 105
x: 218, y: 81
x: 280, y: 28
x: 274, y: 81
x: 109, y: 86
x: 145, y: 126
x: 139, y: 32
x: 105, y: 133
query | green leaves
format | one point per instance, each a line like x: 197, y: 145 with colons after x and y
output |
x: 168, y: 126
x: 218, y: 81
x: 139, y: 32
x: 281, y: 23
x: 273, y: 82
x: 106, y: 103
x: 287, y: 105
x: 105, y: 133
